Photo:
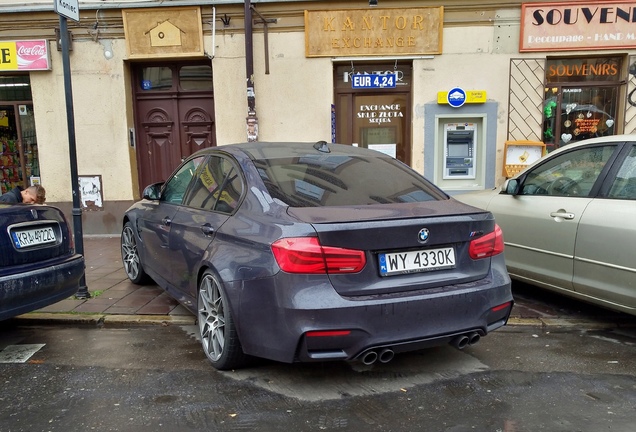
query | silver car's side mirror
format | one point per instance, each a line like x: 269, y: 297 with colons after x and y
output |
x: 511, y: 187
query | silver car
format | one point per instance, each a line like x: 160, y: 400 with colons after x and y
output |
x: 569, y: 221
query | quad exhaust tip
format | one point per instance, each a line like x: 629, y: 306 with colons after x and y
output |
x: 384, y: 355
x: 462, y: 341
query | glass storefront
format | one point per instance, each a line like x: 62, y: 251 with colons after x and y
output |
x: 19, y: 164
x: 581, y: 99
x: 378, y: 118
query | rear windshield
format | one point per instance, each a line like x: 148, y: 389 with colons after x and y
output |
x: 341, y: 180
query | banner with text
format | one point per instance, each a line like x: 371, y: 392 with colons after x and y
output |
x: 27, y: 55
x: 374, y: 32
x: 567, y: 26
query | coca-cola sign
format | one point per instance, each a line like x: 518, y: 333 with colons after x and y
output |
x: 27, y: 55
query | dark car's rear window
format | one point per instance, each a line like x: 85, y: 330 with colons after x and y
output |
x: 339, y: 180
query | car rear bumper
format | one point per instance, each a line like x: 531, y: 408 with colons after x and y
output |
x: 277, y: 323
x: 28, y: 291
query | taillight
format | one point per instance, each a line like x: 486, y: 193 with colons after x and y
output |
x: 307, y: 255
x: 488, y: 245
x: 503, y: 306
x: 328, y: 333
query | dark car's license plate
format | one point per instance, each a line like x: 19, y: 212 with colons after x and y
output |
x: 33, y: 237
x: 416, y: 261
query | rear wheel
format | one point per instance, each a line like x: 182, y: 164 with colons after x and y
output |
x: 216, y: 327
x: 130, y: 256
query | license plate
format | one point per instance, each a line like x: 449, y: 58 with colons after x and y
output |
x: 416, y: 261
x: 33, y: 237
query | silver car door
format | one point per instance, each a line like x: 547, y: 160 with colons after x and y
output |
x: 605, y: 251
x: 539, y: 235
x: 540, y: 224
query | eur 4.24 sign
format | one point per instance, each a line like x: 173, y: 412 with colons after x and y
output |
x: 367, y: 81
x: 67, y: 8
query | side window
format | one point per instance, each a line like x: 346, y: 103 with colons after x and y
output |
x: 176, y: 186
x: 218, y: 186
x: 624, y: 185
x: 570, y: 174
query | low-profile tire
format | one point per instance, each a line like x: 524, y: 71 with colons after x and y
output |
x: 130, y: 257
x: 216, y: 326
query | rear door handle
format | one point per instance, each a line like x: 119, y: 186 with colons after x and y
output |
x: 166, y: 221
x: 207, y: 229
x: 563, y: 215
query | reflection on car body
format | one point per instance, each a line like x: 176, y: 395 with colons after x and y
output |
x: 278, y: 248
x: 568, y: 221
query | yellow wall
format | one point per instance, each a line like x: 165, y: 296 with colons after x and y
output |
x: 99, y: 106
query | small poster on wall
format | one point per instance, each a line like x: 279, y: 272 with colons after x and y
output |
x: 91, y: 197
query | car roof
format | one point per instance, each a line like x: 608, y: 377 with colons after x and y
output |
x: 598, y: 140
x: 275, y: 150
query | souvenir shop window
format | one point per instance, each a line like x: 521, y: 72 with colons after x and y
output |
x: 581, y: 99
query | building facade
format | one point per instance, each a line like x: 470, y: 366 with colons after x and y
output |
x: 442, y: 86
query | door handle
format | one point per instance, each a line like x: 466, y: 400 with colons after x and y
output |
x: 207, y: 229
x: 166, y: 221
x: 562, y: 215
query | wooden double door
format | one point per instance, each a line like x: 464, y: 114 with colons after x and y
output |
x: 174, y: 115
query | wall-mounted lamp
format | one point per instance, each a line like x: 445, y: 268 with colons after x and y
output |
x: 107, y: 44
x: 58, y: 40
x: 373, y: 3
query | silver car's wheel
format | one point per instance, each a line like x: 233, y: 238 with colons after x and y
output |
x: 130, y: 256
x: 216, y: 327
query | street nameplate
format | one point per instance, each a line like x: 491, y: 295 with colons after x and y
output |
x: 67, y: 8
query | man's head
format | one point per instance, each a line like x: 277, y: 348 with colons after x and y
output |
x: 34, y: 195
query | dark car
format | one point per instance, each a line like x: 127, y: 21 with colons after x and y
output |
x: 38, y: 264
x: 313, y: 252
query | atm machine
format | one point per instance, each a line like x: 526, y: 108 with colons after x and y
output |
x: 460, y: 150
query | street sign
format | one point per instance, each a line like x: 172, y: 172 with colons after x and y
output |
x: 367, y: 81
x: 67, y: 8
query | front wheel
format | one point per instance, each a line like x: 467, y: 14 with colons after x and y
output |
x: 216, y: 327
x: 130, y: 256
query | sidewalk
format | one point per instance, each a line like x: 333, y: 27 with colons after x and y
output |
x: 112, y: 294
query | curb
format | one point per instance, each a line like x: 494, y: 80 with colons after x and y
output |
x: 569, y: 322
x: 106, y: 320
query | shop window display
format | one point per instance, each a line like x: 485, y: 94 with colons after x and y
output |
x: 18, y: 143
x: 10, y: 158
x: 581, y: 99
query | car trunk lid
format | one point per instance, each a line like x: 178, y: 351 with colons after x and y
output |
x: 32, y: 234
x: 401, y: 242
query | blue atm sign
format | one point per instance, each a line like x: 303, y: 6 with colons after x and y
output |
x: 370, y: 81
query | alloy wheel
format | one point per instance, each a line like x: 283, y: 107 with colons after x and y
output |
x: 129, y: 254
x: 211, y: 318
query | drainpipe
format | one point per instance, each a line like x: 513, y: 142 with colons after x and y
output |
x: 251, y: 119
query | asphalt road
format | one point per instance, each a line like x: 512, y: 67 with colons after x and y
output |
x: 577, y: 377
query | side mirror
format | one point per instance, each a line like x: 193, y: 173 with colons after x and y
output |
x: 511, y: 187
x: 153, y: 192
